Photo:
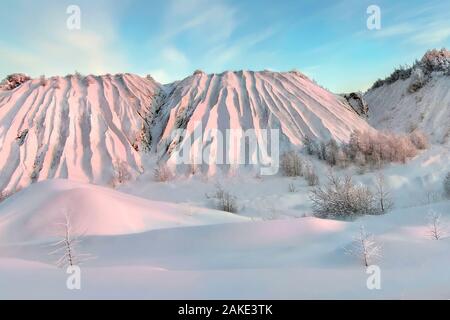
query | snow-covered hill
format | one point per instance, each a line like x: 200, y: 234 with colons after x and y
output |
x: 72, y: 127
x: 252, y: 100
x: 415, y: 98
x: 88, y: 128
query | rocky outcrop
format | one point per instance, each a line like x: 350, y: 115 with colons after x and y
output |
x: 357, y: 102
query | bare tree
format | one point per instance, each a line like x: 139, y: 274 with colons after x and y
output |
x: 436, y: 230
x: 162, y: 173
x: 365, y: 248
x: 67, y: 246
x: 383, y: 193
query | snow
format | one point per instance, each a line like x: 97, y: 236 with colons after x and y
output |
x: 93, y: 210
x: 172, y: 248
x: 76, y: 128
x: 259, y: 101
x: 392, y: 107
x: 166, y: 240
x: 81, y: 128
x: 302, y: 258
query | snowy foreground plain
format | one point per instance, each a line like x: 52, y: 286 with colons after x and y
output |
x: 165, y: 241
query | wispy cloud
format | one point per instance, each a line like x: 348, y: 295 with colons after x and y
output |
x: 225, y: 53
x: 394, y: 31
x: 429, y: 34
x: 173, y: 65
x: 427, y: 24
x: 210, y: 20
x: 205, y: 24
x: 45, y: 45
x: 432, y: 34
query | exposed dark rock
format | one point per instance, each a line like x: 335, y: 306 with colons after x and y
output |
x: 357, y: 102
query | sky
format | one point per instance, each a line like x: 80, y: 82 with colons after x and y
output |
x: 327, y: 40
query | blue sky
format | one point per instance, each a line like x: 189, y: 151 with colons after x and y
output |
x: 328, y: 40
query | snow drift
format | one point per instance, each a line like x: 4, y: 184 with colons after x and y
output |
x: 35, y: 214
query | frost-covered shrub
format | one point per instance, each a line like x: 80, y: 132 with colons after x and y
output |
x: 377, y: 84
x: 365, y: 248
x: 366, y: 149
x: 341, y: 198
x: 310, y: 146
x: 227, y: 203
x: 162, y: 173
x: 292, y: 188
x: 224, y: 200
x: 13, y: 81
x: 311, y: 176
x: 418, y: 79
x: 121, y: 173
x: 447, y: 185
x: 331, y: 152
x: 291, y: 164
x: 400, y: 73
x: 379, y: 148
x: 435, y: 60
x: 419, y: 140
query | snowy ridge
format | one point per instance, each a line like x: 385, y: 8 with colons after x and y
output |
x: 393, y: 107
x: 84, y: 128
x: 254, y: 100
x: 413, y: 98
x: 72, y: 127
